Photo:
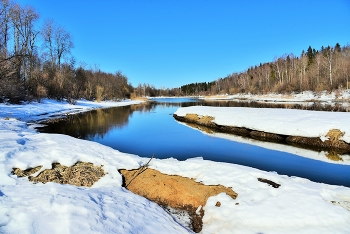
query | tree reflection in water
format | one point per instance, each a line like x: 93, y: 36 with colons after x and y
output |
x: 98, y: 122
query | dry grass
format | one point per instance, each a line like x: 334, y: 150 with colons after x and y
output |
x: 80, y: 174
x: 27, y: 172
x: 203, y: 120
x: 139, y: 99
x: 334, y: 135
x: 192, y: 117
x: 215, y: 96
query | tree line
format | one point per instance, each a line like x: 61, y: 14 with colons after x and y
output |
x: 36, y: 62
x: 316, y: 70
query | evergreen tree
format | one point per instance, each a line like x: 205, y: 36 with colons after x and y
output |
x: 311, y: 55
x: 337, y: 48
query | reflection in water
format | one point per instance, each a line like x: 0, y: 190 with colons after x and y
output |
x: 96, y: 123
x: 331, y: 154
x: 314, y: 106
x: 91, y: 124
x: 334, y: 156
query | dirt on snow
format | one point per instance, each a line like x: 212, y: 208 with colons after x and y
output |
x: 175, y: 191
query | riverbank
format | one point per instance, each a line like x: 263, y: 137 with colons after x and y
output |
x: 297, y: 205
x: 306, y: 96
x: 315, y: 129
x: 51, y: 109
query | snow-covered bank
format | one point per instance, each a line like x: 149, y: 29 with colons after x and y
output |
x: 49, y: 108
x: 289, y: 122
x: 299, y: 205
x: 320, y: 156
x: 306, y: 96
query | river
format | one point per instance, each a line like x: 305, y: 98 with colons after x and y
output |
x: 150, y: 129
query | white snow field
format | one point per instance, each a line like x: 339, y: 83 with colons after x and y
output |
x: 297, y: 206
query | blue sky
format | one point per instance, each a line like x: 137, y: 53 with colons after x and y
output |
x: 169, y: 43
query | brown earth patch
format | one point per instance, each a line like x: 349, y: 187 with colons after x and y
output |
x: 332, y: 143
x: 80, y: 174
x: 234, y: 130
x: 265, y: 136
x: 174, y: 191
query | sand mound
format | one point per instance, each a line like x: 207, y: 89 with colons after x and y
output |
x: 174, y: 191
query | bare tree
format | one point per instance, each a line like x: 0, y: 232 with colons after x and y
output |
x: 47, y: 33
x: 303, y: 65
x: 5, y: 7
x: 329, y: 56
x: 57, y: 42
x: 63, y: 43
x: 23, y: 20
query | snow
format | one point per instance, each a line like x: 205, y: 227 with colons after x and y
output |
x: 306, y: 96
x: 291, y: 122
x: 47, y: 108
x: 298, y: 205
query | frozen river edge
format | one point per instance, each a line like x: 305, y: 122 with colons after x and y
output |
x: 297, y: 205
x: 329, y: 141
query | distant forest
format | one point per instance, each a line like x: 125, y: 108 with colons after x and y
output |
x: 316, y: 70
x: 36, y: 62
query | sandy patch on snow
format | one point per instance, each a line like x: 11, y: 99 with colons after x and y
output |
x: 175, y: 191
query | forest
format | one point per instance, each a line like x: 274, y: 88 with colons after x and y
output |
x: 36, y: 62
x: 325, y: 69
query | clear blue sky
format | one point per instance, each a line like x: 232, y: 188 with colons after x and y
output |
x: 169, y: 43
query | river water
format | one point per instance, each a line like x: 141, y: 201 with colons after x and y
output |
x: 150, y: 128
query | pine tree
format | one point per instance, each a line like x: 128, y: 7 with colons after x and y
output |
x: 311, y: 55
x: 337, y: 48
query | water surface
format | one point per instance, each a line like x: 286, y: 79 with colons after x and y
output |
x: 150, y: 128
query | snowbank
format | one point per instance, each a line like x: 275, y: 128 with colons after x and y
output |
x: 50, y: 108
x: 298, y: 205
x: 306, y: 96
x: 290, y: 122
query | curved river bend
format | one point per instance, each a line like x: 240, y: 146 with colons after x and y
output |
x: 150, y: 128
